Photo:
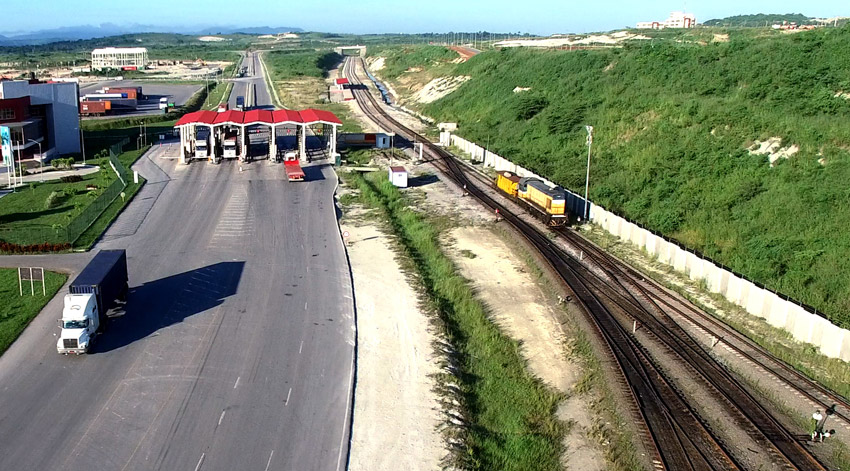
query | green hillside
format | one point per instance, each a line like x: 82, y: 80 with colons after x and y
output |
x: 673, y: 124
x: 760, y: 19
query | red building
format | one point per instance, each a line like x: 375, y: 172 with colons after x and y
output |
x: 26, y: 124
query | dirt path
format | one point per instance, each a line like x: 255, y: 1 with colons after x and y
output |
x: 395, y: 409
x: 523, y: 311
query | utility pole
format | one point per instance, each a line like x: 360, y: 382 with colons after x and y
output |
x: 587, y: 178
x: 41, y: 158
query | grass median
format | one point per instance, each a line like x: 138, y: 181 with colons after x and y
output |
x: 511, y: 413
x: 99, y: 226
x: 17, y: 311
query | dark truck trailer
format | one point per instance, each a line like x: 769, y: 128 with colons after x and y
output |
x: 106, y: 278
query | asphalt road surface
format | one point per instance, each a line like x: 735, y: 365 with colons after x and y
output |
x: 234, y: 350
x: 252, y: 86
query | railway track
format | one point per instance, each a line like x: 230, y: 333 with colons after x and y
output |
x: 732, y: 339
x: 678, y: 436
x: 656, y: 297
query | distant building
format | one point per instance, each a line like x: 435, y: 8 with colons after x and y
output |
x: 122, y: 58
x: 677, y: 19
x: 41, y: 113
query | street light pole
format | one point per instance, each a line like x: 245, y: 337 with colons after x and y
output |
x: 587, y: 178
x: 40, y: 158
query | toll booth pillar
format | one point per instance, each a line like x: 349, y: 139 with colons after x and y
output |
x: 243, y: 149
x: 302, y: 143
x: 182, y: 145
x: 333, y: 140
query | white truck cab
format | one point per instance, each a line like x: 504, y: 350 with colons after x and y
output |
x: 201, y: 150
x: 230, y: 148
x: 79, y: 323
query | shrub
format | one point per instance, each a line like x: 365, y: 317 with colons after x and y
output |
x: 53, y: 199
x: 63, y: 163
x: 528, y: 106
x: 71, y: 179
x: 8, y: 247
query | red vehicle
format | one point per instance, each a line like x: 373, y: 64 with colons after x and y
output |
x: 294, y: 173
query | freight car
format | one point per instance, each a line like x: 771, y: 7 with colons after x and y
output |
x: 548, y: 203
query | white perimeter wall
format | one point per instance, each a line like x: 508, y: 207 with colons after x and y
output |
x: 803, y: 325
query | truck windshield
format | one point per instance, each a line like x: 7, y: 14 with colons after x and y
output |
x: 81, y: 324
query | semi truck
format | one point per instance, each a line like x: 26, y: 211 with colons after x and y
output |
x: 230, y: 146
x: 240, y: 103
x: 202, y: 150
x: 91, y: 295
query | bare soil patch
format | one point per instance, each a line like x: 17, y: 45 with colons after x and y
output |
x: 396, y: 412
x: 524, y: 312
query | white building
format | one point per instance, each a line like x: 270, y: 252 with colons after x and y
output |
x: 677, y: 19
x: 398, y: 176
x: 123, y: 58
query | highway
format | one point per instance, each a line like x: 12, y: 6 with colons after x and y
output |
x: 235, y: 350
x: 252, y: 86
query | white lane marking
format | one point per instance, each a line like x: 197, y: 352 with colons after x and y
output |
x: 302, y: 346
x: 305, y: 305
x: 287, y: 396
x: 222, y: 417
x: 237, y: 382
x: 270, y: 460
x: 200, y: 462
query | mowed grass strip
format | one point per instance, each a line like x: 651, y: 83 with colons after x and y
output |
x: 511, y: 412
x: 17, y: 311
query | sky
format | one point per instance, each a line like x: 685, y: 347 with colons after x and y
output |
x: 541, y: 17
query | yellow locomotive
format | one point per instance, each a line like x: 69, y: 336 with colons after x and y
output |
x: 548, y: 202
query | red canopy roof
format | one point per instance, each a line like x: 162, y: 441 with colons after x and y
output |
x: 209, y: 118
x: 342, y: 81
x: 287, y: 116
x: 314, y: 116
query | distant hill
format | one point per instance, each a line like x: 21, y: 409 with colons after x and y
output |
x: 760, y: 19
x: 75, y: 33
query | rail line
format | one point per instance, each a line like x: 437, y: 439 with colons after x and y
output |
x: 660, y: 301
x: 657, y: 298
x: 677, y: 436
x: 736, y: 342
x: 664, y: 410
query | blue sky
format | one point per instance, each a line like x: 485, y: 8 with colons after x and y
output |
x: 367, y: 16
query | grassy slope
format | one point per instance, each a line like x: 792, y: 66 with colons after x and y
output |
x: 672, y: 124
x: 88, y: 238
x: 17, y: 311
x: 410, y: 67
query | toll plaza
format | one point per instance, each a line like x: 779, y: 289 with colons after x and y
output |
x: 257, y: 134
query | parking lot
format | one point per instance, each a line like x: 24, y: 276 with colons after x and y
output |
x: 153, y: 91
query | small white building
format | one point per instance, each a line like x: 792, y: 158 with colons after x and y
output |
x: 677, y: 19
x: 122, y: 58
x: 398, y: 176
